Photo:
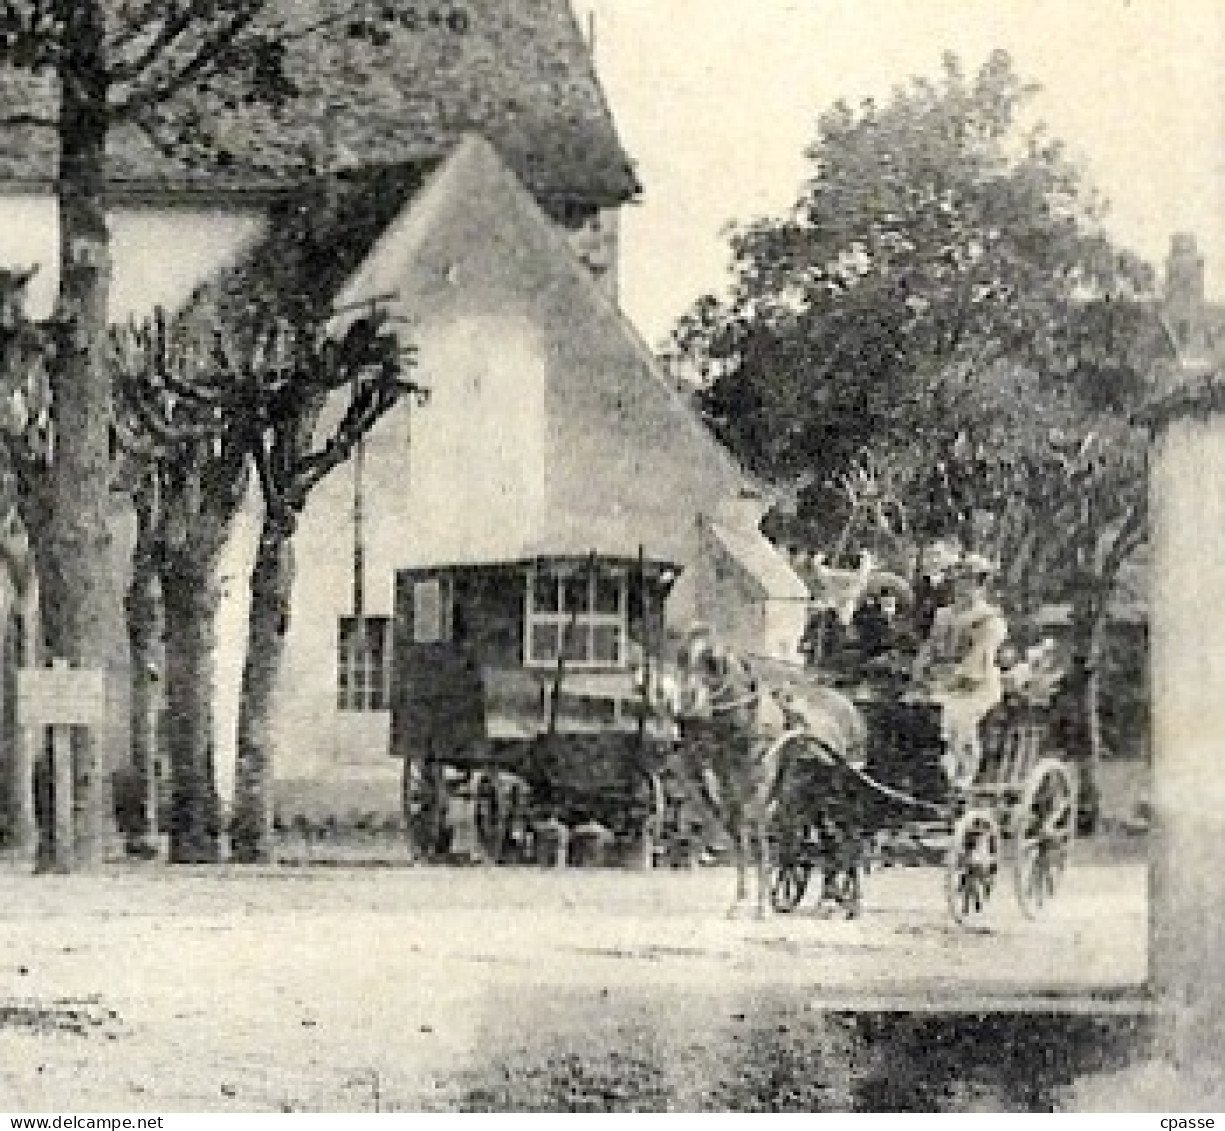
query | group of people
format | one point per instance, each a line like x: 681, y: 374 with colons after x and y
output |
x: 944, y: 642
x: 952, y: 650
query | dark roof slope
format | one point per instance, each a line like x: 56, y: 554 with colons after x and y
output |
x: 516, y: 71
x: 319, y: 234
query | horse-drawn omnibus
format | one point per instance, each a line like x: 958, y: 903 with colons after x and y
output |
x: 516, y: 693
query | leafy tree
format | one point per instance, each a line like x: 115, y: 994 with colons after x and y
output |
x: 934, y: 239
x: 944, y: 302
x: 176, y: 70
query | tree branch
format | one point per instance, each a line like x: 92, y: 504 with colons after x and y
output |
x: 1126, y: 541
x: 17, y: 121
x: 173, y: 26
x: 206, y: 61
x: 364, y: 411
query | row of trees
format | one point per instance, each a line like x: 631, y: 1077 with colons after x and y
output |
x: 208, y: 403
x: 942, y: 331
x: 195, y: 415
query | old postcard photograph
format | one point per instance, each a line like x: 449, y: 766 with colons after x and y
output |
x: 611, y: 556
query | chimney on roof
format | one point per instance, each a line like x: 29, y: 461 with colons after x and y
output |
x: 1184, y: 289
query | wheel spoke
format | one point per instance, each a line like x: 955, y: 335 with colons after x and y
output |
x: 1045, y: 828
x: 973, y: 861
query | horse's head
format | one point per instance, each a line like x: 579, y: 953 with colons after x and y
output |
x: 721, y: 684
x: 13, y: 285
x: 689, y: 684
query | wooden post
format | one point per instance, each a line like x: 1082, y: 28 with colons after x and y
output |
x: 63, y: 853
x: 1187, y: 938
x: 61, y: 699
x: 152, y: 801
x: 25, y: 821
x: 650, y: 844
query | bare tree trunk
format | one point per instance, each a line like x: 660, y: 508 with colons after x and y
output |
x: 69, y: 519
x: 25, y: 751
x: 1093, y: 719
x: 271, y: 591
x: 144, y: 626
x: 191, y: 599
x: 9, y: 767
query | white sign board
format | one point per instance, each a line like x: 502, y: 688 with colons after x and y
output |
x: 61, y: 696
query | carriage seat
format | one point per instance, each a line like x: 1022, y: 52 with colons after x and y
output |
x: 905, y: 746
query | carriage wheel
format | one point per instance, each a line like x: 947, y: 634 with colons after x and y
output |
x: 788, y: 884
x: 488, y: 818
x: 1043, y: 826
x: 972, y: 865
x: 841, y: 888
x: 653, y: 830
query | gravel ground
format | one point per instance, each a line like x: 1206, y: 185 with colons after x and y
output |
x: 349, y: 989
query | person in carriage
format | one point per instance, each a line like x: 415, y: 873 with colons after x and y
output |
x: 957, y: 666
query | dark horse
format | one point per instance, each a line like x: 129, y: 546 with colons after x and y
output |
x: 744, y: 722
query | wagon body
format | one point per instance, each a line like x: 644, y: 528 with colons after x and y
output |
x: 834, y: 820
x: 516, y: 699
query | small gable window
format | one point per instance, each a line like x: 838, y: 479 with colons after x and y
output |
x: 433, y: 614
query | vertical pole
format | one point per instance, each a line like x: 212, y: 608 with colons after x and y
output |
x: 25, y: 819
x: 63, y: 828
x: 359, y: 542
x: 644, y: 614
x: 360, y: 655
x: 26, y: 752
x: 152, y: 817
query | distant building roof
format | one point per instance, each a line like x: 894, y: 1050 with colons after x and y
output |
x: 1196, y: 327
x: 517, y: 71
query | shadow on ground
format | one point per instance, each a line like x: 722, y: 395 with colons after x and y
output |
x: 775, y: 1056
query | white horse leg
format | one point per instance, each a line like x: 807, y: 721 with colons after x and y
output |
x: 741, y: 846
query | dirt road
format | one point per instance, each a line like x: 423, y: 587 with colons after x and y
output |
x: 410, y: 989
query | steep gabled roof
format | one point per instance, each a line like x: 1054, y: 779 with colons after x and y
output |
x: 516, y: 71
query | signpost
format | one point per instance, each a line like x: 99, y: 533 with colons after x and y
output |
x: 59, y: 698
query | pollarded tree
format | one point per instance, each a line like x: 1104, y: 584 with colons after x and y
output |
x: 227, y: 390
x: 187, y: 474
x: 275, y: 364
x: 301, y: 368
x: 178, y: 71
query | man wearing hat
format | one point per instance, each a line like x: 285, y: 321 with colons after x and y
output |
x: 935, y: 587
x: 958, y: 665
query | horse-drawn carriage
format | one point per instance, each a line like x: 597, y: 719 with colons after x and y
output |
x: 836, y: 818
x: 817, y: 784
x: 515, y: 706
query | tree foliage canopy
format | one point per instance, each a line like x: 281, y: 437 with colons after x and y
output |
x: 177, y: 70
x: 942, y: 302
